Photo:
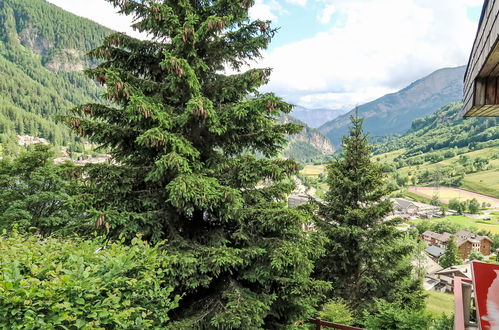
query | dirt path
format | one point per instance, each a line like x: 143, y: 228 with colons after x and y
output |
x: 428, y: 192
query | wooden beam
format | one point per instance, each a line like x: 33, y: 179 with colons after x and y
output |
x: 491, y: 88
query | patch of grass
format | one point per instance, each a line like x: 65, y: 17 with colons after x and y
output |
x: 419, y: 198
x: 313, y: 170
x: 463, y: 221
x: 389, y: 156
x: 439, y: 302
x: 486, y: 182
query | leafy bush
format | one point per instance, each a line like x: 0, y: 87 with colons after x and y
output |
x: 392, y: 316
x: 337, y: 311
x: 34, y: 192
x: 72, y: 284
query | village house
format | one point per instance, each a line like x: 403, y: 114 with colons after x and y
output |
x: 446, y: 276
x: 466, y: 242
x: 435, y: 252
x: 405, y: 209
x: 481, y: 91
x: 436, y: 239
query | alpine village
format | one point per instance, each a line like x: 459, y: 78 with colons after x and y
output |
x: 196, y: 171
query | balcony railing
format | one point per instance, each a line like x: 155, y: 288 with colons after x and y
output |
x: 320, y: 323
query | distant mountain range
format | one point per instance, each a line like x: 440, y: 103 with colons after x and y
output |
x: 316, y: 117
x: 394, y: 113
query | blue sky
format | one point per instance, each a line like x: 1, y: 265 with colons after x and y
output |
x: 341, y: 53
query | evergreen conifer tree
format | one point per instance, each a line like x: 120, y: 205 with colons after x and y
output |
x: 180, y: 130
x: 366, y: 256
x: 450, y: 256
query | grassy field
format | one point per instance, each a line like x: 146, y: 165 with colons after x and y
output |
x: 491, y: 225
x: 439, y: 302
x: 313, y: 170
x: 486, y: 182
x: 389, y: 156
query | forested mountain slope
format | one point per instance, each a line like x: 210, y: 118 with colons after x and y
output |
x: 393, y: 113
x: 442, y: 130
x: 42, y: 50
x: 308, y: 145
x: 445, y: 149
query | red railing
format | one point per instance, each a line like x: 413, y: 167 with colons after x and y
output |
x: 320, y: 323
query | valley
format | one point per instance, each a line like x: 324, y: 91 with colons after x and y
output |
x: 142, y: 185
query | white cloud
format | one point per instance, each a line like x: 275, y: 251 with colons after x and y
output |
x: 380, y: 46
x: 101, y: 12
x: 268, y: 9
x: 297, y: 2
x: 262, y: 11
x: 326, y: 14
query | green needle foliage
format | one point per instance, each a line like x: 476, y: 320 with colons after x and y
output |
x: 451, y: 254
x: 367, y: 257
x: 179, y: 129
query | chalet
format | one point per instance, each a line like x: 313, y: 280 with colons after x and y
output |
x: 481, y: 81
x: 468, y: 242
x: 446, y: 276
x: 465, y: 241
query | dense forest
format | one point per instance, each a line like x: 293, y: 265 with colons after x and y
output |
x: 42, y: 52
x: 443, y: 130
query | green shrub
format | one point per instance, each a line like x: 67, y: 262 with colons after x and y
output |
x: 393, y: 316
x: 337, y: 311
x: 71, y: 283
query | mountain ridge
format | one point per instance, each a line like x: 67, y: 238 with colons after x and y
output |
x: 393, y: 113
x: 315, y: 117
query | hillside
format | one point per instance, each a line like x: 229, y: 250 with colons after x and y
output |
x: 307, y: 146
x: 445, y: 149
x: 42, y: 49
x: 441, y: 149
x: 443, y: 130
x: 316, y: 117
x: 393, y: 113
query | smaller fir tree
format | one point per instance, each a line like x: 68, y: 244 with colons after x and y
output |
x: 450, y: 257
x: 367, y: 257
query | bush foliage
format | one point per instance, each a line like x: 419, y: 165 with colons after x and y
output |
x: 74, y: 283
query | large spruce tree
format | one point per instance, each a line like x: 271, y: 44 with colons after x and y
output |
x: 366, y: 256
x: 182, y: 133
